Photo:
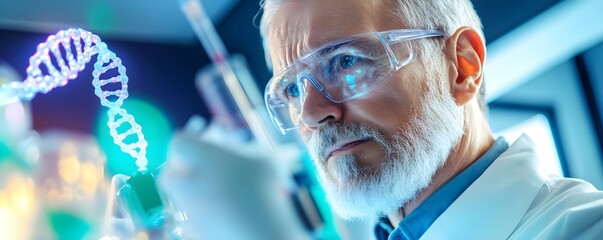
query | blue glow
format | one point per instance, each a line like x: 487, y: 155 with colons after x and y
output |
x: 61, y: 58
x: 351, y: 80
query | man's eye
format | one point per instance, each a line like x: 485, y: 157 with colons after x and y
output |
x: 342, y: 63
x: 292, y: 91
x: 347, y: 61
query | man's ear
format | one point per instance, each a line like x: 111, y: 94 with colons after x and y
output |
x: 467, y: 54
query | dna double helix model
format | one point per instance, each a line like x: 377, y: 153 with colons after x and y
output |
x: 61, y: 58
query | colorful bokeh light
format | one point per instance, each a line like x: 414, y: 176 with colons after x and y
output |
x: 156, y: 129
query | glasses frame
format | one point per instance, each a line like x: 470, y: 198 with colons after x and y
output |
x: 387, y: 38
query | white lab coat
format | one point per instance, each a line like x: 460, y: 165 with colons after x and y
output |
x: 514, y: 199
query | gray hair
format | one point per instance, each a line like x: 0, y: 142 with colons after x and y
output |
x: 444, y: 15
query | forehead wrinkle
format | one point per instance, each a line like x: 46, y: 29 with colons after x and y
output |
x: 288, y: 50
x: 288, y: 41
x: 300, y: 27
x: 294, y: 46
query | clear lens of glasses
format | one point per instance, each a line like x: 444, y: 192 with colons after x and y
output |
x: 342, y: 70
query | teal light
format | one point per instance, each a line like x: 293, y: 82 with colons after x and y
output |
x: 329, y: 230
x: 101, y: 16
x: 155, y: 127
x: 68, y: 226
x: 351, y: 80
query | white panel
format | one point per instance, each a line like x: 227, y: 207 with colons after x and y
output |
x: 561, y: 89
x: 538, y: 128
x: 568, y: 28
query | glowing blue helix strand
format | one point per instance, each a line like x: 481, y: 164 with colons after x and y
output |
x: 66, y: 66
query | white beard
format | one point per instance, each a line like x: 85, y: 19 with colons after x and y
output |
x: 412, y: 158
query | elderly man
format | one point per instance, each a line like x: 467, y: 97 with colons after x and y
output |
x: 388, y: 96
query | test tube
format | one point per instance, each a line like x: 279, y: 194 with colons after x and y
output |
x: 213, y: 45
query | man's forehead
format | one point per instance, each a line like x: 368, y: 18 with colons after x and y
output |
x: 298, y: 27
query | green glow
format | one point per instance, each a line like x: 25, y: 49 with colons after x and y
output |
x: 67, y: 226
x: 155, y: 127
x: 328, y: 231
x: 351, y: 80
x: 100, y: 16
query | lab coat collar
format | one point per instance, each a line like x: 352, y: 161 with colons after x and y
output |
x: 494, y: 204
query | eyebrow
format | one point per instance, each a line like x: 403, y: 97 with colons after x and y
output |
x: 326, y: 50
x: 357, y: 42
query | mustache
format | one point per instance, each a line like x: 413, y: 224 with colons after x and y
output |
x: 332, y: 133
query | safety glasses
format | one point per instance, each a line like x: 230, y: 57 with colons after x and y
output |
x: 342, y: 70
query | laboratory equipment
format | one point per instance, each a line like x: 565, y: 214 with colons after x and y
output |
x: 70, y: 179
x: 143, y: 208
x: 231, y: 192
x: 214, y: 47
x: 221, y: 104
x: 247, y: 102
x: 19, y: 205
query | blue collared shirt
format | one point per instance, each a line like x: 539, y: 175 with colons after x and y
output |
x: 418, y: 221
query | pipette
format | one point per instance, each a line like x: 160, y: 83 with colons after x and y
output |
x: 214, y: 47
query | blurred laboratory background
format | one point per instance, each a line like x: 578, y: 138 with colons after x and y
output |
x: 544, y: 77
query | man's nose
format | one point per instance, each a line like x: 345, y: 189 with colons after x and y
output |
x: 318, y: 110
